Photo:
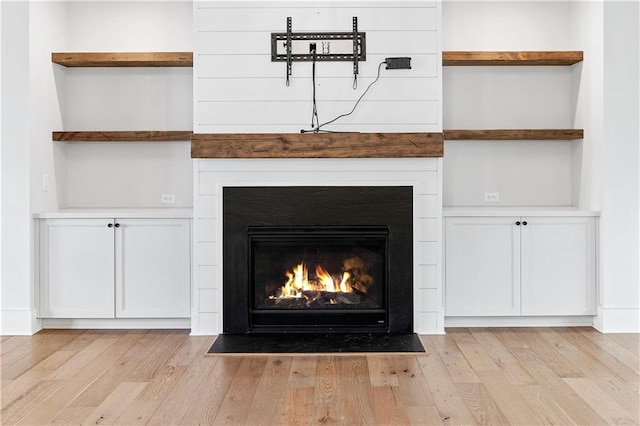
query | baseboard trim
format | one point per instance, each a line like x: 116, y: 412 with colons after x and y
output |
x: 19, y: 322
x: 618, y: 320
x: 118, y: 323
x: 542, y: 321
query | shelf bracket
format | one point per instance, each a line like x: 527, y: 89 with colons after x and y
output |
x: 292, y: 47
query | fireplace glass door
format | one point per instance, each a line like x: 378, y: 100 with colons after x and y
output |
x: 318, y: 278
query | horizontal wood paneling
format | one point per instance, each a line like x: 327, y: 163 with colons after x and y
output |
x: 307, y: 19
x: 259, y: 43
x: 233, y: 65
x: 510, y: 58
x: 320, y: 145
x: 288, y: 128
x: 332, y: 89
x: 123, y: 59
x: 299, y: 113
x: 260, y: 66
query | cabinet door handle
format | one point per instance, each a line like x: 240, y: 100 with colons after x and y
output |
x: 118, y: 225
x: 524, y: 223
x: 518, y: 223
x: 110, y: 225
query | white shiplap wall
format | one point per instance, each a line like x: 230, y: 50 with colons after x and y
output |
x: 238, y: 89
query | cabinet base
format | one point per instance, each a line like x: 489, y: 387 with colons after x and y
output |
x: 542, y: 321
x: 118, y: 323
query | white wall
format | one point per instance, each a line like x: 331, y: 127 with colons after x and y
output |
x: 110, y: 174
x: 524, y: 173
x: 16, y: 304
x: 239, y: 89
x: 619, y: 309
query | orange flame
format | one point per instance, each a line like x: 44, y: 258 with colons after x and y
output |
x: 298, y: 281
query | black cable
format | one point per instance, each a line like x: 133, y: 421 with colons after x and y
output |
x: 320, y: 126
x: 315, y: 121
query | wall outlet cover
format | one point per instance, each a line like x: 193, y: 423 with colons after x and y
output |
x: 168, y: 198
x: 492, y: 196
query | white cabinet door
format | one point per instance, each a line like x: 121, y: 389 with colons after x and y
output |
x: 558, y: 272
x: 153, y: 268
x: 76, y: 268
x: 482, y: 266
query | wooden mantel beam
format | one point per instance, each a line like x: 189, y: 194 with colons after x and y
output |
x: 316, y: 145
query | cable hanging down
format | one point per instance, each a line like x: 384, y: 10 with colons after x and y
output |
x: 316, y: 127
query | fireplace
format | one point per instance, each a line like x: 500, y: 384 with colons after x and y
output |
x: 318, y: 259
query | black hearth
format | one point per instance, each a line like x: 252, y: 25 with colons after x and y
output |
x: 317, y: 259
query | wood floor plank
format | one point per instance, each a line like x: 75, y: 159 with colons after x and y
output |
x: 604, y: 341
x: 387, y: 411
x: 451, y: 408
x: 177, y: 402
x: 269, y: 398
x: 545, y: 407
x: 67, y: 390
x: 412, y: 390
x: 629, y: 341
x: 303, y: 371
x: 357, y: 391
x: 602, y: 403
x: 506, y: 397
x: 17, y: 409
x: 110, y: 409
x: 492, y: 346
x: 587, y: 365
x: 298, y: 406
x: 459, y: 368
x: 381, y: 372
x: 328, y: 396
x: 19, y: 362
x: 206, y: 402
x: 85, y: 356
x: 480, y: 404
x: 470, y: 376
x: 193, y: 347
x: 557, y: 389
x: 550, y: 354
x: 14, y: 389
x: 11, y: 342
x: 237, y: 402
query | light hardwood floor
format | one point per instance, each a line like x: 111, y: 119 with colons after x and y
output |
x: 469, y: 376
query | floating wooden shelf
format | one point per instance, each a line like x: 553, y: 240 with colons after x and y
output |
x: 316, y: 145
x: 124, y: 59
x: 471, y: 58
x: 124, y: 136
x: 515, y: 134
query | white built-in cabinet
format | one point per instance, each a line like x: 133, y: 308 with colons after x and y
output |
x: 520, y: 266
x: 114, y: 268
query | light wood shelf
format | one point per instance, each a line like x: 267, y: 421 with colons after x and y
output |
x: 317, y: 145
x: 510, y: 58
x: 514, y: 134
x: 123, y: 59
x: 123, y: 136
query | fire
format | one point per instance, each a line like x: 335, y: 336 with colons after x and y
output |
x: 298, y: 281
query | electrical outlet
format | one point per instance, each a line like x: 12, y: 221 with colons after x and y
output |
x: 168, y: 198
x: 492, y: 196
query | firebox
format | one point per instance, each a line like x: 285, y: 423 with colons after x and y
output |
x: 318, y: 259
x: 318, y: 277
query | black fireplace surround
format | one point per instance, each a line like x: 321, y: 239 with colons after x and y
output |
x: 360, y: 237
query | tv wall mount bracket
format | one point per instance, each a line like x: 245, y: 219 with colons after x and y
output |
x: 292, y: 47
